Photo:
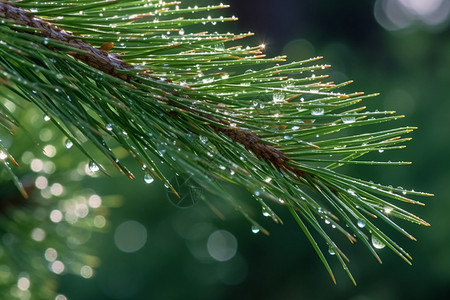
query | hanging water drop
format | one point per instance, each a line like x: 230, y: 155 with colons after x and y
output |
x: 148, y: 178
x: 203, y: 139
x: 351, y: 192
x: 331, y: 251
x: 109, y: 127
x: 377, y: 243
x: 255, y: 229
x: 387, y: 210
x: 380, y: 150
x: 348, y: 119
x: 317, y: 111
x: 265, y: 213
x: 68, y: 144
x: 361, y: 223
x: 93, y: 166
x: 46, y: 118
x: 3, y: 155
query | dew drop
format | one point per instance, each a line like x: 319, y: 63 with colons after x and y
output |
x: 331, y: 251
x: 203, y: 139
x: 351, y: 192
x: 348, y: 120
x: 377, y: 244
x: 255, y: 229
x: 265, y: 213
x: 208, y: 80
x: 387, y: 209
x: 361, y: 223
x: 109, y: 127
x: 148, y: 178
x: 46, y: 118
x: 317, y: 111
x: 3, y: 155
x: 68, y: 144
x: 93, y: 166
x: 380, y: 150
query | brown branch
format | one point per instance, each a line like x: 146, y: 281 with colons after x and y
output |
x: 111, y: 64
x: 96, y: 58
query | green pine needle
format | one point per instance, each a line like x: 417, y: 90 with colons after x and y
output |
x: 207, y: 107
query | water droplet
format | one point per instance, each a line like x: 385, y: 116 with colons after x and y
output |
x: 208, y: 80
x: 3, y: 155
x: 265, y: 213
x: 327, y: 221
x: 93, y: 166
x: 181, y: 31
x: 381, y: 150
x: 257, y: 193
x: 377, y: 244
x: 361, y: 223
x: 203, y: 139
x: 387, y: 209
x: 331, y: 251
x: 351, y: 192
x: 255, y: 229
x: 348, y: 119
x: 317, y: 111
x: 148, y: 178
x: 46, y: 118
x: 68, y: 144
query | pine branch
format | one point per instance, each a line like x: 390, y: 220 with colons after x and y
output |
x: 180, y: 98
x: 112, y: 65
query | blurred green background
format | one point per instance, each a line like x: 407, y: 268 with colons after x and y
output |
x: 400, y: 48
